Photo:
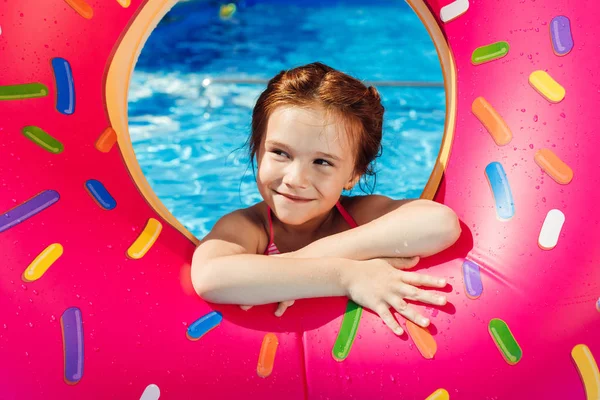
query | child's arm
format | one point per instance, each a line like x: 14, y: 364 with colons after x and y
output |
x: 390, y: 229
x: 226, y: 269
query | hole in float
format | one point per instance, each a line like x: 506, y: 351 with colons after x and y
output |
x: 202, y: 68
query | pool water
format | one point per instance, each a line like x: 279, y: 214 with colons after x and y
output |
x: 190, y: 115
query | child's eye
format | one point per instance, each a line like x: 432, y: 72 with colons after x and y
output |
x: 279, y: 152
x: 320, y: 161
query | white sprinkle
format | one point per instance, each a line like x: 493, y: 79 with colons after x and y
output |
x: 454, y: 10
x: 551, y: 229
x: 152, y: 392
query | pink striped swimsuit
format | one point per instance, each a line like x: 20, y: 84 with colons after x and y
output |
x: 272, y: 249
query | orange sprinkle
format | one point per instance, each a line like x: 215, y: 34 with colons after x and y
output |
x: 423, y: 339
x: 266, y: 358
x: 106, y: 141
x: 492, y: 121
x: 81, y: 7
x: 554, y: 166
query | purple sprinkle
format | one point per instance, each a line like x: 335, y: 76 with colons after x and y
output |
x: 472, y: 278
x: 72, y: 328
x: 28, y: 209
x: 562, y: 40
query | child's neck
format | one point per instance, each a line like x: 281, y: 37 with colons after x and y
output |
x: 310, y: 230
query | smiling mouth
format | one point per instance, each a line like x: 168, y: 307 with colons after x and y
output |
x: 293, y: 198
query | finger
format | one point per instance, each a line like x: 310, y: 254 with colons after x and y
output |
x: 416, y: 279
x: 424, y: 296
x: 245, y: 308
x: 281, y: 307
x: 384, y: 313
x: 408, y: 312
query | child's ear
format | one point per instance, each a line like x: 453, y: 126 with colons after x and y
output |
x: 353, y: 181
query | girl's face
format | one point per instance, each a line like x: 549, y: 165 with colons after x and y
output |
x: 304, y: 161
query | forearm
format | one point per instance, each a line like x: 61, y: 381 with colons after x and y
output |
x: 419, y: 230
x: 253, y: 279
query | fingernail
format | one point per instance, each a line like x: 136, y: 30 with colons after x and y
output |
x: 442, y: 282
x: 399, y: 331
x: 424, y: 321
x: 442, y: 300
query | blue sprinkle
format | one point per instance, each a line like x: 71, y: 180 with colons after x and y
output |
x: 204, y: 324
x: 100, y: 194
x: 505, y: 206
x: 65, y: 88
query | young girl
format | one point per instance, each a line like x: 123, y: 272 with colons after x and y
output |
x: 315, y: 132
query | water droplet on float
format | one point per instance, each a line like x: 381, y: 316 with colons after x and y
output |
x: 562, y: 114
x: 535, y: 118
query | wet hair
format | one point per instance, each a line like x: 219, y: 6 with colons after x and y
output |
x: 356, y: 105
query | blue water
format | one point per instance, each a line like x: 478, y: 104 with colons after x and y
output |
x: 188, y: 132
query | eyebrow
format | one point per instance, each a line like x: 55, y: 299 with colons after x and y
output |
x: 285, y: 147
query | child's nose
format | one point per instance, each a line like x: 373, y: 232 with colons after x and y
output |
x: 296, y: 175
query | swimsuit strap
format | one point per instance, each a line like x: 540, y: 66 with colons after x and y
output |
x: 270, y: 226
x: 346, y: 215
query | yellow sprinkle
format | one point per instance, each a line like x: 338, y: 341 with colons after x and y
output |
x: 146, y: 239
x: 440, y: 394
x: 547, y: 86
x: 588, y: 370
x: 124, y: 3
x: 42, y: 262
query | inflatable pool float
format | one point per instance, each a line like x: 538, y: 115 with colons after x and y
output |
x: 95, y: 272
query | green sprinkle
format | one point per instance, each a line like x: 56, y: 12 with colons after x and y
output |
x: 25, y: 91
x: 505, y: 341
x: 347, y: 332
x: 490, y: 52
x: 42, y: 139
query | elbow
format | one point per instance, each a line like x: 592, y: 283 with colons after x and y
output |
x: 202, y: 282
x: 450, y: 225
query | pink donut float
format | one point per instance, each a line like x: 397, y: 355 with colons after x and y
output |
x: 95, y: 273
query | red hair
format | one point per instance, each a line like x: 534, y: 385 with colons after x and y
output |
x: 317, y: 84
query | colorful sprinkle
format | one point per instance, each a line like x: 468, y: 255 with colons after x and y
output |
x: 553, y: 166
x: 423, y: 339
x: 454, y: 10
x: 498, y: 181
x: 65, y: 88
x: 472, y: 279
x: 266, y: 357
x: 588, y: 370
x: 551, y: 228
x: 146, y: 239
x: 124, y: 3
x: 81, y: 7
x: 72, y: 332
x: 152, y: 392
x: 201, y: 326
x: 489, y: 52
x: 505, y: 341
x: 28, y: 209
x: 545, y: 85
x: 560, y: 32
x: 492, y: 121
x: 42, y: 262
x: 440, y: 394
x: 106, y: 140
x: 42, y: 139
x: 24, y: 91
x: 347, y: 333
x: 99, y: 193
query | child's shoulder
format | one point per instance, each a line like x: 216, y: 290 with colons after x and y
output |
x: 249, y: 222
x: 366, y: 208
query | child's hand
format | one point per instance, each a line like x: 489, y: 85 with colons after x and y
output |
x: 377, y: 285
x: 281, y: 307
